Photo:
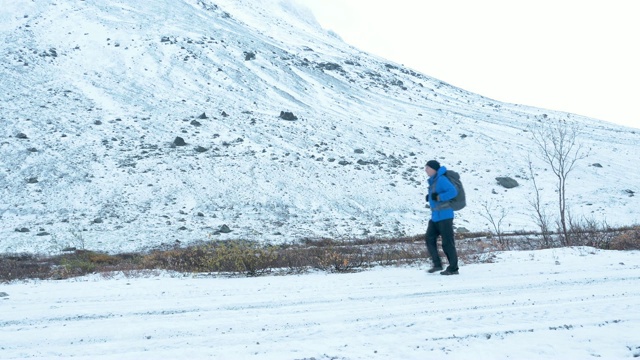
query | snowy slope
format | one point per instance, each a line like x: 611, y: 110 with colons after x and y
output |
x: 100, y: 91
x: 569, y: 303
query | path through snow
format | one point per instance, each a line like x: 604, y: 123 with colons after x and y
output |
x: 561, y: 303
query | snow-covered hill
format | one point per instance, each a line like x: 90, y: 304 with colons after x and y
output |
x: 94, y: 96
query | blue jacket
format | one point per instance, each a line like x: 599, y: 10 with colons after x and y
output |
x: 445, y: 191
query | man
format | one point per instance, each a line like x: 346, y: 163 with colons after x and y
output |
x: 441, y: 190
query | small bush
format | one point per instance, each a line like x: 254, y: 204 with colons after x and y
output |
x: 241, y: 257
x: 338, y: 259
x: 590, y: 232
x: 82, y: 262
x: 248, y: 258
x: 628, y: 240
x: 174, y: 259
x: 23, y: 266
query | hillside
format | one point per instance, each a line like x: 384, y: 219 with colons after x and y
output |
x: 285, y: 132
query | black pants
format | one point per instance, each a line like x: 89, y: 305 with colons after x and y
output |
x: 443, y: 228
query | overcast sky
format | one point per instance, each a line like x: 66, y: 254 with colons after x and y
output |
x: 579, y: 56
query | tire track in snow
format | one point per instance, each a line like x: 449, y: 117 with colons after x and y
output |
x: 383, y: 313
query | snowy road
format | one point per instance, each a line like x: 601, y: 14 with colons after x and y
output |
x: 569, y: 303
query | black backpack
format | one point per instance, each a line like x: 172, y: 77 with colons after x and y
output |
x: 460, y: 201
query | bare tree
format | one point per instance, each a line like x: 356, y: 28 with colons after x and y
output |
x: 496, y: 221
x: 560, y: 149
x: 536, y: 203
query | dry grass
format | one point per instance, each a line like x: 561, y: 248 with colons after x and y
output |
x: 628, y: 240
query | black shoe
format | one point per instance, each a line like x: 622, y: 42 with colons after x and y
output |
x: 434, y: 269
x: 449, y: 272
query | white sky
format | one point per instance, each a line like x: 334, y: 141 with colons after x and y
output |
x: 579, y: 56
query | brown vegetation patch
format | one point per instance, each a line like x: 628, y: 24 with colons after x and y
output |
x: 249, y: 258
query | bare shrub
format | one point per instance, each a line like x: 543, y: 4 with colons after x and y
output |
x: 174, y: 259
x: 338, y: 259
x: 399, y: 253
x: 496, y: 219
x: 77, y: 263
x: 589, y: 232
x: 83, y: 262
x: 346, y: 256
x: 244, y: 257
x: 628, y: 240
x: 23, y: 266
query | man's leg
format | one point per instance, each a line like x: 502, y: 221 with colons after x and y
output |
x: 448, y: 243
x: 431, y: 239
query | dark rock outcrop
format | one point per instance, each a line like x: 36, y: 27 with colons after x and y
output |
x: 507, y: 182
x: 287, y: 115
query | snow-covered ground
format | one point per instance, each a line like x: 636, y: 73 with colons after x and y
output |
x: 570, y: 303
x: 94, y: 94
